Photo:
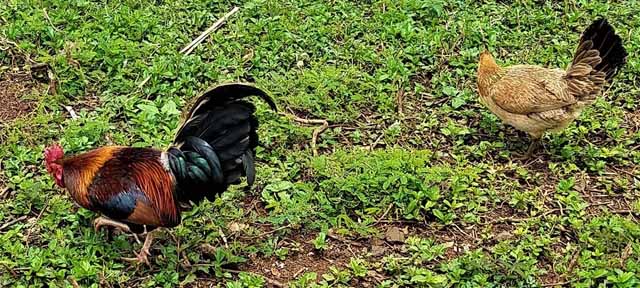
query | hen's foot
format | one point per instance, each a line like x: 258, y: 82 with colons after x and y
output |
x: 535, y: 144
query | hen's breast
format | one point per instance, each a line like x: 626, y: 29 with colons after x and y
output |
x: 530, y: 98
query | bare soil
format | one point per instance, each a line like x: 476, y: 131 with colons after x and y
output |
x: 13, y: 88
x: 303, y: 257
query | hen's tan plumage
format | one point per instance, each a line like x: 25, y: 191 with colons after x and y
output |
x: 535, y: 99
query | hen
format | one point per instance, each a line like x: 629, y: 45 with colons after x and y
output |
x: 140, y: 189
x: 536, y: 99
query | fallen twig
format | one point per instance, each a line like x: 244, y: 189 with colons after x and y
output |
x: 175, y: 240
x: 316, y: 132
x: 72, y: 112
x: 624, y: 211
x: 384, y: 214
x: 4, y: 191
x: 46, y: 205
x: 400, y: 100
x: 516, y: 220
x: 633, y: 176
x: 224, y: 237
x: 46, y: 15
x: 187, y: 49
x: 144, y: 81
x: 344, y: 240
x: 295, y: 276
x: 375, y: 143
x: 561, y: 284
x: 272, y: 231
x: 74, y: 283
x: 5, y: 225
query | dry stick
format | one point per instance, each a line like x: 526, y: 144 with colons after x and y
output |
x: 175, y: 239
x: 46, y: 205
x: 316, y: 132
x: 624, y: 211
x: 557, y: 284
x: 400, y: 100
x: 46, y: 15
x: 269, y: 280
x: 187, y: 49
x: 71, y: 112
x: 5, y: 225
x: 384, y: 214
x: 74, y: 283
x: 144, y: 81
x: 344, y: 240
x: 224, y: 238
x: 515, y: 220
x: 627, y: 172
x: 314, y: 138
x: 375, y: 143
x: 299, y: 272
x: 4, y: 191
x: 272, y: 231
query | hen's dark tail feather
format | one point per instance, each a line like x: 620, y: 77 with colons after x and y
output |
x: 216, y: 144
x: 601, y: 37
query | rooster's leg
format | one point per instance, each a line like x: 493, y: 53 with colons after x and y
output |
x: 103, y: 221
x: 142, y: 257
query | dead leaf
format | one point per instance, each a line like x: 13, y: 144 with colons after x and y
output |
x: 208, y: 249
x: 625, y: 254
x: 394, y: 234
x: 236, y: 227
x: 275, y: 272
x: 504, y: 235
x: 378, y: 250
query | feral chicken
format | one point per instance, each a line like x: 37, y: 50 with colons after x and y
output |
x: 140, y: 189
x: 536, y: 99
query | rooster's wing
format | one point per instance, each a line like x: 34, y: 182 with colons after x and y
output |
x: 134, y: 187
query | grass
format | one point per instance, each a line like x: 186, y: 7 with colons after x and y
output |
x: 438, y: 202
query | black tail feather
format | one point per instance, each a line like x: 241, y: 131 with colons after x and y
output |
x: 249, y: 167
x: 601, y: 36
x: 217, y: 142
x: 225, y: 94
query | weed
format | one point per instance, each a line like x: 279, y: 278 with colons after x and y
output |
x: 397, y: 77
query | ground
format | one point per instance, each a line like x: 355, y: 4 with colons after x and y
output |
x: 413, y: 183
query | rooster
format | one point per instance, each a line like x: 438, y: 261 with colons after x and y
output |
x: 536, y: 99
x: 140, y: 189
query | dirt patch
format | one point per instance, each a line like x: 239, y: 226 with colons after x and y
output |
x: 633, y: 120
x: 13, y: 87
x: 4, y: 190
x: 303, y: 258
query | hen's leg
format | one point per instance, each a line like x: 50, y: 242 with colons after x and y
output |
x: 142, y: 257
x: 535, y: 144
x: 103, y: 221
